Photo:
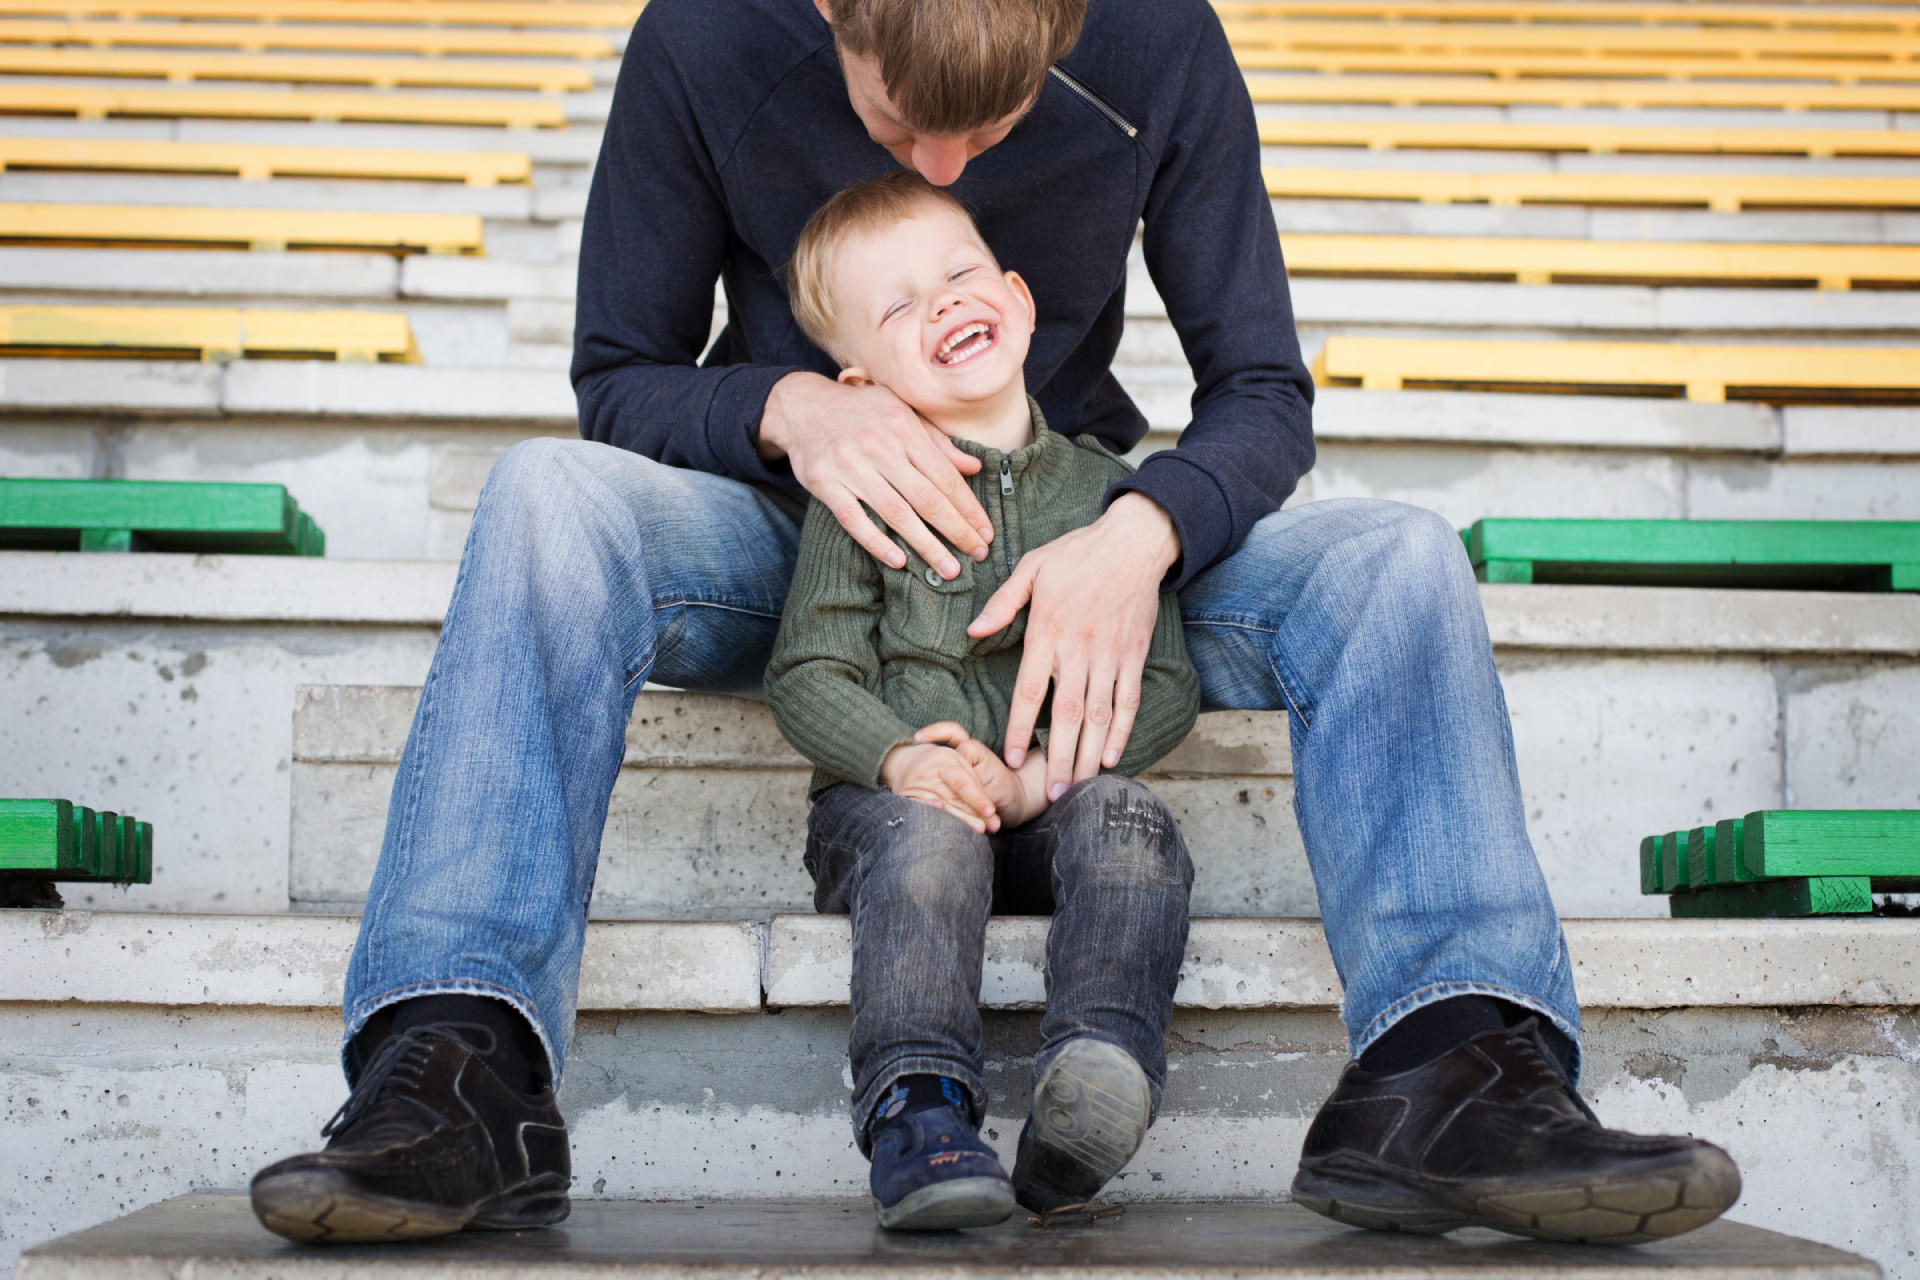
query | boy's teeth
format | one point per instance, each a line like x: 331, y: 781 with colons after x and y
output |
x: 964, y: 337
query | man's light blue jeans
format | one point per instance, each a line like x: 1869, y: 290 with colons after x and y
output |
x: 591, y: 570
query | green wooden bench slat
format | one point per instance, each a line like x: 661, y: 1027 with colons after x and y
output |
x: 60, y: 840
x: 1673, y: 861
x: 1650, y: 865
x: 158, y: 515
x: 37, y: 835
x: 1700, y: 843
x: 1834, y: 842
x: 1729, y: 866
x: 1864, y: 554
x: 1813, y: 896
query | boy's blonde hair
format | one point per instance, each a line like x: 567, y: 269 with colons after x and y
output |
x: 873, y: 205
x: 952, y: 66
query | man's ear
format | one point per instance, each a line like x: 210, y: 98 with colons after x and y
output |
x: 1019, y: 287
x: 854, y: 376
x: 825, y: 12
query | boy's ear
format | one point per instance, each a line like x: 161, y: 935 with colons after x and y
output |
x: 1019, y: 287
x: 854, y: 376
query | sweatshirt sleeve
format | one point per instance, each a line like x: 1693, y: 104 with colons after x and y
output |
x: 1214, y: 254
x: 825, y: 671
x: 651, y: 250
x: 1169, y: 694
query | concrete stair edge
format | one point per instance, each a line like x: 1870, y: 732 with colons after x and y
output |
x: 802, y: 961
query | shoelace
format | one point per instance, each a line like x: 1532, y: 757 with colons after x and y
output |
x: 403, y: 1056
x: 1544, y: 1067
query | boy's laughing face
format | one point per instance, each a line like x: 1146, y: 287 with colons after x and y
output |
x: 922, y: 309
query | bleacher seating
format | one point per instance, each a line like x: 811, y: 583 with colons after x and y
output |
x: 155, y: 515
x: 1873, y: 555
x: 1623, y: 205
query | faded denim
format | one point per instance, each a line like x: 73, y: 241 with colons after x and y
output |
x: 1106, y: 861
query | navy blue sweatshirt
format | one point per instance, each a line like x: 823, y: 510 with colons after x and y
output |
x: 730, y: 125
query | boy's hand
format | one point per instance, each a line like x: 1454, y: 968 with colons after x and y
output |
x: 849, y: 445
x: 1018, y: 796
x: 940, y: 776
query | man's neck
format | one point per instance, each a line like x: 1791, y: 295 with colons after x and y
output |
x: 1004, y: 423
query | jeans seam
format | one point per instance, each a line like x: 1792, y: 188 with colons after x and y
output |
x: 1300, y: 705
x: 639, y: 670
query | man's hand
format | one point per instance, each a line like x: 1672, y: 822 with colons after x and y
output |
x: 1094, y: 593
x: 855, y: 444
x: 1018, y: 796
x: 941, y: 777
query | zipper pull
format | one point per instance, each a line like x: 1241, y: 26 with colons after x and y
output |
x: 1006, y: 476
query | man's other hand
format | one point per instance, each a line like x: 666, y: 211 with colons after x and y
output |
x: 850, y: 445
x: 1092, y: 596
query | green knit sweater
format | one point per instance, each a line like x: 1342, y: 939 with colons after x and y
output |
x: 867, y: 654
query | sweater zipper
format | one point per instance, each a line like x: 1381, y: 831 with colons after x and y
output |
x: 1006, y: 491
x: 1094, y: 100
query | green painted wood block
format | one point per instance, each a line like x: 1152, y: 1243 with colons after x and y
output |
x: 1520, y: 571
x: 1650, y: 865
x: 112, y: 854
x: 1777, y: 899
x: 1834, y: 554
x: 155, y: 515
x: 1729, y: 866
x: 38, y: 836
x: 86, y: 833
x: 1700, y: 842
x: 1673, y: 861
x: 1833, y: 842
x: 143, y: 859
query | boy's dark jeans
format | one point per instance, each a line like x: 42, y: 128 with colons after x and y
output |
x: 1106, y: 860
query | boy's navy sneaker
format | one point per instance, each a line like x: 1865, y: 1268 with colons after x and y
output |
x: 431, y: 1142
x: 931, y: 1172
x: 1091, y: 1108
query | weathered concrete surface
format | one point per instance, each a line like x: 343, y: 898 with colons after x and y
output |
x: 300, y: 961
x: 114, y: 1107
x: 1612, y: 748
x: 708, y: 816
x: 837, y: 1238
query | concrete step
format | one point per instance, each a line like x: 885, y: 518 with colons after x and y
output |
x: 1674, y: 700
x: 1613, y: 741
x: 390, y: 459
x: 1751, y: 1033
x: 1180, y: 1241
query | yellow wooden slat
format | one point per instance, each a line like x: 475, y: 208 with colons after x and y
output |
x: 485, y: 13
x: 385, y: 73
x: 1542, y: 261
x: 1383, y: 135
x: 1705, y: 373
x: 1567, y: 11
x: 1406, y: 91
x: 257, y: 228
x: 213, y: 333
x: 259, y: 37
x: 1510, y: 64
x: 1725, y: 193
x: 98, y: 104
x: 1463, y: 37
x: 255, y: 161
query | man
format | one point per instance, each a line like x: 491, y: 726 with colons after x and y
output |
x: 666, y: 556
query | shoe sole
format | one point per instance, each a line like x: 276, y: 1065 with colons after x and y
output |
x: 1090, y: 1111
x: 950, y: 1206
x: 318, y: 1206
x: 1645, y: 1204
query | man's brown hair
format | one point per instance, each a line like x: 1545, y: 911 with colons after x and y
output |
x: 952, y: 66
x: 872, y: 205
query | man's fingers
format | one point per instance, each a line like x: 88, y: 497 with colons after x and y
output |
x: 970, y: 530
x: 1029, y: 691
x: 1069, y: 709
x: 1126, y: 706
x: 1097, y: 723
x: 1005, y: 604
x: 905, y: 521
x: 853, y: 518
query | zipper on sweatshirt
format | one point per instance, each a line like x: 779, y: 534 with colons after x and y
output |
x: 1094, y: 100
x: 1006, y: 491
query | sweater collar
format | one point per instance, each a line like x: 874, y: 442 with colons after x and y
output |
x: 1037, y: 463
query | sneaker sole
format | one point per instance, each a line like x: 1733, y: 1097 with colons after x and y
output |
x: 949, y: 1206
x: 317, y: 1206
x: 1629, y: 1208
x: 1090, y: 1111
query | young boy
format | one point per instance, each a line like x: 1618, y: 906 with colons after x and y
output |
x: 918, y: 830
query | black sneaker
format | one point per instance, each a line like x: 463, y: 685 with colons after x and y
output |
x: 430, y: 1142
x: 1091, y: 1107
x: 1491, y: 1134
